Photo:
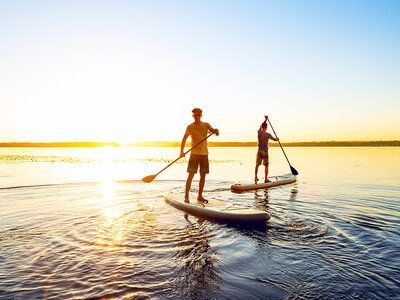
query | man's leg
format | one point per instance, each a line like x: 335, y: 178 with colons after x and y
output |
x: 266, y: 174
x: 266, y: 163
x: 204, y: 169
x: 255, y: 177
x: 188, y: 185
x: 201, y: 186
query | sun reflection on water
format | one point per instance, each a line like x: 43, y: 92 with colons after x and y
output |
x: 112, y: 229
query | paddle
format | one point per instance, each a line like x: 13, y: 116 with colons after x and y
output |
x: 150, y: 178
x: 294, y: 171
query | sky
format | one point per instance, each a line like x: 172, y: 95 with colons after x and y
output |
x: 131, y: 71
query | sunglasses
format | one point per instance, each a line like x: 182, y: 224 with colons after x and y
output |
x: 197, y: 115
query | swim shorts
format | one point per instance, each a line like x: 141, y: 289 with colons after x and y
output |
x: 262, y: 158
x: 195, y: 160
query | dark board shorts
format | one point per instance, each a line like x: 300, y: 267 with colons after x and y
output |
x: 262, y: 158
x: 197, y: 160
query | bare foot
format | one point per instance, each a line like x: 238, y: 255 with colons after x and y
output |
x: 187, y: 200
x: 201, y: 199
x: 255, y: 180
x: 267, y: 180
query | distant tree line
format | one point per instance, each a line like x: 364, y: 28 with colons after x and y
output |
x: 274, y: 144
x: 59, y: 144
x: 313, y: 144
x: 211, y: 144
x: 343, y: 144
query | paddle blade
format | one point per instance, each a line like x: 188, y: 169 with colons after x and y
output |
x: 294, y: 171
x: 149, y: 178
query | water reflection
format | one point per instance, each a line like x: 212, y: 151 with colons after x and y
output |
x: 293, y: 193
x: 112, y: 228
x: 261, y: 198
x: 112, y: 231
x: 340, y: 225
x: 108, y: 191
x: 199, y: 277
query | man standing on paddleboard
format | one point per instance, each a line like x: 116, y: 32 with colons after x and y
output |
x: 198, y: 130
x: 262, y: 153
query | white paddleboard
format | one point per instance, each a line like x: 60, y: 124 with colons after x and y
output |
x: 277, y: 180
x: 216, y: 209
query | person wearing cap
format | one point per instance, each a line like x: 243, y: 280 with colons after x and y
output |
x: 262, y: 153
x: 198, y: 130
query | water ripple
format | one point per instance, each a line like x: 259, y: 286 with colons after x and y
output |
x: 119, y: 240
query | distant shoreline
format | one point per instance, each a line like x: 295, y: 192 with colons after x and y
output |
x: 274, y: 144
x: 58, y: 144
x: 395, y: 143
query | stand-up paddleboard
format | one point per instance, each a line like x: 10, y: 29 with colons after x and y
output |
x: 216, y: 209
x: 279, y: 180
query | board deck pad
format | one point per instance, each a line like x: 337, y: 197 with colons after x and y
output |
x: 277, y: 180
x: 216, y: 209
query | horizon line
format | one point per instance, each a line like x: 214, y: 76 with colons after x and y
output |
x: 380, y: 143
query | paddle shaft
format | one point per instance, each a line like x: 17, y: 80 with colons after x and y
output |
x: 279, y: 143
x: 186, y: 152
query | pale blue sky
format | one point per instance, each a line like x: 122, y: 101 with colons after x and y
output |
x: 132, y: 70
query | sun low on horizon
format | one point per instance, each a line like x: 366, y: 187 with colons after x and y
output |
x: 129, y: 72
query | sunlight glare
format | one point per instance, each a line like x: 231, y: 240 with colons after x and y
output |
x: 107, y: 170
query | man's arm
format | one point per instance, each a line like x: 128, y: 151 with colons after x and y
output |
x: 183, y: 144
x: 213, y: 130
x: 274, y: 139
x: 270, y: 136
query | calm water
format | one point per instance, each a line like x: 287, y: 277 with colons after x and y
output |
x: 79, y: 223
